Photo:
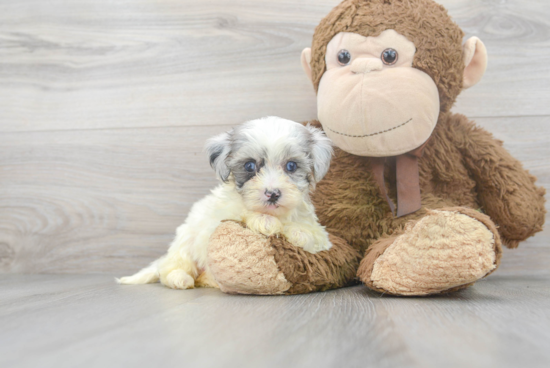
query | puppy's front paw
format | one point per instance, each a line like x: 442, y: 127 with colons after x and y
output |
x: 264, y: 224
x: 312, y: 240
x: 298, y: 237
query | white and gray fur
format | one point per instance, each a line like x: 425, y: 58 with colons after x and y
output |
x: 271, y: 139
x: 270, y: 143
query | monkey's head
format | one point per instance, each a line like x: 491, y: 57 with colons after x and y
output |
x: 384, y: 70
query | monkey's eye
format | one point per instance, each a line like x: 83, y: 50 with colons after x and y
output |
x: 389, y: 56
x: 250, y: 166
x: 344, y: 57
x: 291, y: 166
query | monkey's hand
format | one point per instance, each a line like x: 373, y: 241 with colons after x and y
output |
x: 505, y: 189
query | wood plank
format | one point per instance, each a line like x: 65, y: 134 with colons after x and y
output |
x: 100, y: 64
x: 77, y: 202
x: 142, y: 63
x: 89, y: 321
x: 109, y: 200
x: 514, y: 32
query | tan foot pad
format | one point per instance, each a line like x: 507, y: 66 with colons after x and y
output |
x: 442, y: 251
x: 243, y: 262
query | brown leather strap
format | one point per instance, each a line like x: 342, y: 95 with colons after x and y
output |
x: 377, y: 166
x: 408, y: 185
x: 407, y: 181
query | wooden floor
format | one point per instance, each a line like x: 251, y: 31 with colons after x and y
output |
x: 104, y: 109
x: 89, y: 321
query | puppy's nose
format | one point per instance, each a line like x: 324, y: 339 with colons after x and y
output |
x: 273, y: 195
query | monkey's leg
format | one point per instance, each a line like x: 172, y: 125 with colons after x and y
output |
x: 447, y: 250
x: 244, y: 262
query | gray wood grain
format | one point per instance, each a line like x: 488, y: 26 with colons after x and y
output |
x: 104, y: 109
x: 110, y: 200
x: 105, y: 106
x: 74, y: 202
x: 89, y: 321
x: 142, y: 63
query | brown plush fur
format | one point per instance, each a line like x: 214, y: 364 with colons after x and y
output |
x: 249, y: 263
x: 437, y: 38
x: 379, y: 247
x: 316, y: 272
x: 463, y: 166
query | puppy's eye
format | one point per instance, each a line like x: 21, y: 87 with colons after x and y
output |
x: 344, y: 57
x: 291, y: 166
x: 250, y: 166
x: 389, y: 56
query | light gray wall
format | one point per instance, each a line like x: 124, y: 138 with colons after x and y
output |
x: 105, y: 106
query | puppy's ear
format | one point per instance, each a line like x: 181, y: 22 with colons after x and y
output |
x: 321, y: 152
x: 218, y: 148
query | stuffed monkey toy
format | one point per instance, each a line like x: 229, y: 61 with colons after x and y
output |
x: 418, y: 200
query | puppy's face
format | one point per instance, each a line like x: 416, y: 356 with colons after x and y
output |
x: 272, y: 162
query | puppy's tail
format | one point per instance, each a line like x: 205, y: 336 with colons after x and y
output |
x: 147, y: 275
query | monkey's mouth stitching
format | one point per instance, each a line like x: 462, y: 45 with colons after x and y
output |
x: 370, y: 135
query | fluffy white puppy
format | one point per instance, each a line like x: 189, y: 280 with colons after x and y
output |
x: 268, y: 168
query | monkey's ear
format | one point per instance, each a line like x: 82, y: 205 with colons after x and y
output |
x: 475, y: 61
x: 306, y: 59
x: 218, y: 148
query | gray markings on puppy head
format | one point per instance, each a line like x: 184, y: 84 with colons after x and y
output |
x: 271, y: 141
x: 320, y: 147
x: 247, y: 155
x: 240, y: 174
x: 218, y: 149
x: 312, y: 152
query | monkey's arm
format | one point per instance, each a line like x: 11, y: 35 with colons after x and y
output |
x: 505, y: 189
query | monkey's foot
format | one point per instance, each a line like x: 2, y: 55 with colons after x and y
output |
x: 245, y: 262
x: 242, y: 261
x: 445, y: 251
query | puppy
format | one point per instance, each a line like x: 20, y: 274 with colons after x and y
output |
x: 268, y: 168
